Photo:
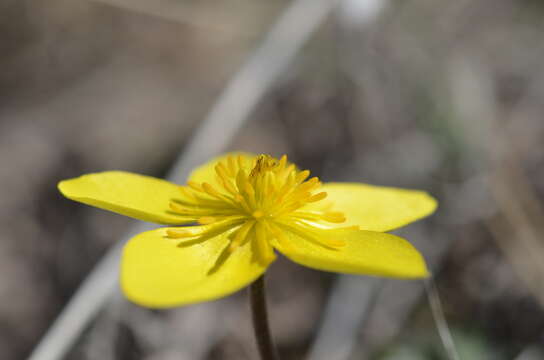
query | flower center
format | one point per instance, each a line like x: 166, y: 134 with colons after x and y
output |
x: 259, y: 199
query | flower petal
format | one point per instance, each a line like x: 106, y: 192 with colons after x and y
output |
x: 364, y: 253
x: 206, y: 172
x: 157, y: 273
x: 138, y: 196
x: 378, y: 208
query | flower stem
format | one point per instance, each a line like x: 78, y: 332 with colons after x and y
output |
x: 257, y: 298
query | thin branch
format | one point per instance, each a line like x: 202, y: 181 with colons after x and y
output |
x: 254, y: 79
x: 294, y: 27
x: 440, y: 319
x: 519, y: 212
x: 351, y: 298
x: 194, y: 14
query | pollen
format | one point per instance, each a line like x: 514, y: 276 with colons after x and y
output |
x: 256, y: 200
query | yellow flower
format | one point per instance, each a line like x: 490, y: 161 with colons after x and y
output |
x: 242, y: 207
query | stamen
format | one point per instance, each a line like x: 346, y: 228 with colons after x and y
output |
x: 309, y: 185
x: 186, y: 193
x: 258, y: 186
x: 264, y: 250
x: 195, y: 186
x: 179, y: 233
x: 241, y: 180
x: 241, y: 235
x: 279, y: 235
x: 309, y: 233
x: 229, y: 187
x: 203, y: 232
x: 290, y: 169
x: 256, y: 202
x: 331, y: 216
x: 179, y: 209
x: 334, y: 217
x: 194, y: 211
x: 222, y: 171
x: 317, y: 197
x: 210, y: 190
x: 288, y: 187
x: 282, y: 162
x: 243, y: 203
x: 200, y: 201
x: 241, y: 162
x: 302, y: 196
x: 223, y: 256
x: 251, y: 200
x: 205, y: 220
x: 249, y: 189
x: 301, y: 176
x: 288, y: 208
x: 272, y: 183
x: 232, y: 165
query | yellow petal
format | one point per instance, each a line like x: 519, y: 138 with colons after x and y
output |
x: 157, y: 273
x: 207, y: 173
x: 138, y: 196
x: 377, y: 208
x: 364, y: 253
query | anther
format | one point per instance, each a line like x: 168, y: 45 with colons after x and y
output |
x: 186, y: 193
x: 317, y: 197
x: 301, y: 176
x: 334, y: 217
x: 232, y: 165
x: 241, y: 235
x: 228, y: 186
x: 249, y: 189
x: 241, y: 162
x: 194, y: 185
x: 205, y: 220
x: 210, y: 190
x: 309, y: 185
x: 178, y: 234
x: 221, y: 170
x: 178, y: 208
x: 282, y: 162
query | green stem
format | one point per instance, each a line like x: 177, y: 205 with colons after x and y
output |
x: 257, y: 298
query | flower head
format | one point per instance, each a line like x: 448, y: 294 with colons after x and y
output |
x: 257, y: 200
x: 241, y: 208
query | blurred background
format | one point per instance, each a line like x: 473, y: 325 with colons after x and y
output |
x: 444, y: 96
